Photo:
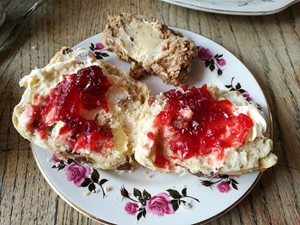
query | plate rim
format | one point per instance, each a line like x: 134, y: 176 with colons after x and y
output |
x: 238, y: 201
x: 61, y: 195
x: 70, y: 203
x: 232, y: 12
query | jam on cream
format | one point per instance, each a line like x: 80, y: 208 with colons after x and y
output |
x: 67, y: 102
x: 200, y: 125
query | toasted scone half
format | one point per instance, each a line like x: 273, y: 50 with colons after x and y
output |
x: 150, y: 46
x: 79, y: 107
x: 206, y: 131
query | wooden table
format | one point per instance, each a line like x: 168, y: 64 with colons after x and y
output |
x: 268, y: 45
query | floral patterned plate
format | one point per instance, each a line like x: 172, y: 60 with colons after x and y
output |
x: 236, y: 7
x: 146, y: 197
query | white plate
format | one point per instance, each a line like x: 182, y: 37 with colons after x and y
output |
x: 236, y: 7
x: 204, y: 199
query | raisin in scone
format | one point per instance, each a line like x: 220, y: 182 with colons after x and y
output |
x: 81, y: 108
x: 205, y: 131
x: 150, y: 46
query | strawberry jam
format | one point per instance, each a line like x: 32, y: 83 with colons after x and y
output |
x: 200, y: 124
x: 77, y: 93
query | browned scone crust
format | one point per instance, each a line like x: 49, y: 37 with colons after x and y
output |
x: 173, y: 52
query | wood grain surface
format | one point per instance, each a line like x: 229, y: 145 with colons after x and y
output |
x: 268, y: 45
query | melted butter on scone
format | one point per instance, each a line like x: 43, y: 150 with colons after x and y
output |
x: 151, y: 47
x: 142, y: 41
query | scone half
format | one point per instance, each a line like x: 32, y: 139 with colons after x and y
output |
x: 150, y: 46
x: 205, y: 131
x: 79, y: 107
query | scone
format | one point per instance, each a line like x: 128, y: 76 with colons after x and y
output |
x: 151, y: 47
x: 81, y: 108
x: 205, y: 131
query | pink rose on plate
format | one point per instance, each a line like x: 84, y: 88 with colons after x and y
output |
x: 131, y: 208
x: 204, y: 53
x: 54, y: 159
x: 221, y: 62
x: 247, y: 96
x: 77, y: 173
x: 223, y: 187
x: 99, y: 46
x: 160, y: 205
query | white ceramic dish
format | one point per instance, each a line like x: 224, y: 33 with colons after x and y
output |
x: 114, y: 198
x: 236, y: 7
